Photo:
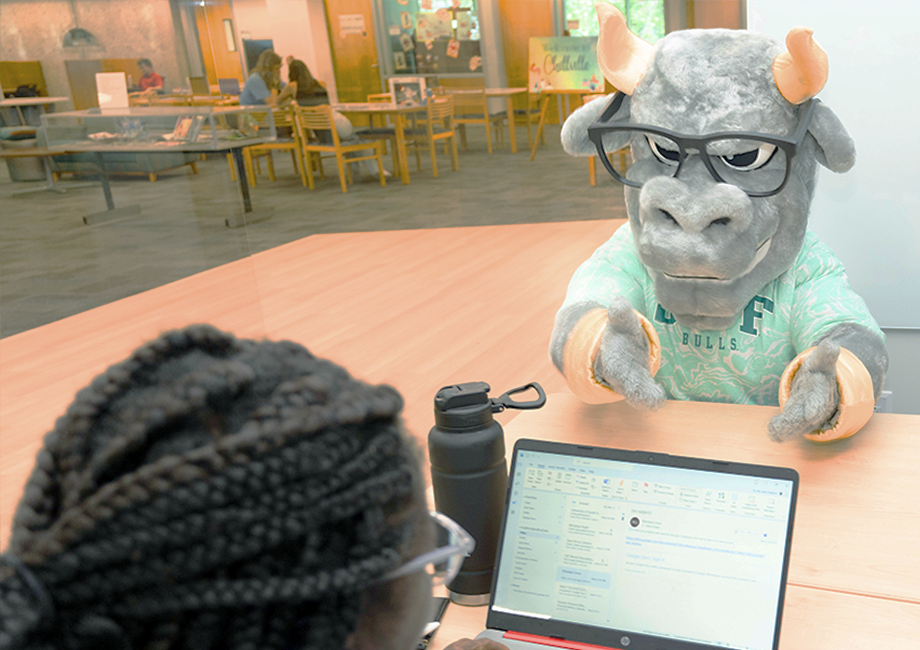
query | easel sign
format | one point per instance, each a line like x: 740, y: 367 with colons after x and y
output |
x: 564, y: 63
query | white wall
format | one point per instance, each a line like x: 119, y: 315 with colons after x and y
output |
x: 321, y: 65
x: 251, y: 16
x: 870, y: 216
x: 296, y: 27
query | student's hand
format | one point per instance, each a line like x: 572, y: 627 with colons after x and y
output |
x: 476, y: 644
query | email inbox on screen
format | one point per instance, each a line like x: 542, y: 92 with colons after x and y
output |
x: 652, y: 550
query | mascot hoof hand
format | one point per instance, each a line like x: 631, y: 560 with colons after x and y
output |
x: 814, y: 398
x: 623, y: 359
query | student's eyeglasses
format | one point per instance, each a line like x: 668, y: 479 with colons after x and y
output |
x: 444, y: 562
x: 757, y: 163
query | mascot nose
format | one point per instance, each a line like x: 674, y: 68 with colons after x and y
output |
x: 694, y: 207
x: 690, y: 221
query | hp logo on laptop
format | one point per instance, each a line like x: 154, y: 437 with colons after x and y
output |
x: 624, y: 641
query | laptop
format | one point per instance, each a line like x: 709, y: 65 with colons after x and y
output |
x: 230, y: 86
x: 640, y: 551
x: 199, y: 86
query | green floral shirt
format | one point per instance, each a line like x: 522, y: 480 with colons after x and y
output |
x: 743, y: 363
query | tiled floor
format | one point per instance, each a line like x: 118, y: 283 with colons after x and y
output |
x: 53, y: 266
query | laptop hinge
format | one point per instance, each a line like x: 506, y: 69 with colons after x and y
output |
x: 554, y: 642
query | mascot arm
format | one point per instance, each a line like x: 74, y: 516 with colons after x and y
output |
x: 828, y: 392
x: 602, y: 341
x: 608, y: 354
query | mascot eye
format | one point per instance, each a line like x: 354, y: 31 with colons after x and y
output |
x: 746, y: 161
x: 664, y: 150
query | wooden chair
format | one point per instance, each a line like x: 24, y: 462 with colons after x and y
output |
x: 592, y: 162
x: 472, y: 107
x: 319, y: 118
x: 529, y: 117
x: 384, y: 132
x: 285, y: 122
x: 252, y: 158
x: 439, y: 126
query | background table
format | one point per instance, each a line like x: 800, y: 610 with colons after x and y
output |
x: 19, y: 102
x: 233, y: 147
x: 398, y: 113
x: 854, y: 575
x: 43, y: 154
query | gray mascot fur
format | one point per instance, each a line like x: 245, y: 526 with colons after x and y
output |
x: 715, y: 289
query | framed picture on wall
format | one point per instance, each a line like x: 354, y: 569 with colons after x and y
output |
x: 408, y: 91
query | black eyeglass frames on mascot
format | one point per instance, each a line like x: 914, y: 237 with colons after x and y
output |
x: 757, y: 163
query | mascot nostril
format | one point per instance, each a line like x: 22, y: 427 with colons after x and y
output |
x: 669, y: 218
x: 715, y: 289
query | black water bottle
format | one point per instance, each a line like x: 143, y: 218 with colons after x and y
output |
x: 469, y: 474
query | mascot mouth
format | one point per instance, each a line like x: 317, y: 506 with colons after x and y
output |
x: 761, y: 253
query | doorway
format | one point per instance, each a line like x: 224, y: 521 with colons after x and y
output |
x: 354, y: 49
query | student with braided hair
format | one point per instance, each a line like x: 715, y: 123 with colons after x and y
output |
x: 212, y: 492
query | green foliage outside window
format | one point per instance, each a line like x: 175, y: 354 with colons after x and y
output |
x: 645, y: 17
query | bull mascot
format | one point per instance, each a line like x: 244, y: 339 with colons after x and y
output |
x: 715, y: 290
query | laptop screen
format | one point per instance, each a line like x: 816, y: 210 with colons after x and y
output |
x: 650, y: 545
x: 229, y: 86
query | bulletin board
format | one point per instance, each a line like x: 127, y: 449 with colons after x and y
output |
x: 425, y: 40
x: 564, y: 63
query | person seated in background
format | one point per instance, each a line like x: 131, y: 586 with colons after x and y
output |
x: 211, y: 492
x: 309, y: 91
x: 150, y: 80
x: 263, y: 87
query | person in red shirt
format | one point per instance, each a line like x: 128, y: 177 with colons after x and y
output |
x: 151, y: 80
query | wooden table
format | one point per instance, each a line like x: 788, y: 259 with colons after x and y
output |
x: 854, y: 575
x: 213, y: 100
x: 364, y: 300
x: 153, y: 100
x: 546, y: 95
x: 398, y: 112
x: 508, y: 94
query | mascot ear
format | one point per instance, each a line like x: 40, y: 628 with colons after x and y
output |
x: 836, y: 150
x: 575, y: 139
x: 622, y: 56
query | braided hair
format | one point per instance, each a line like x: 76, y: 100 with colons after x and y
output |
x: 210, y: 492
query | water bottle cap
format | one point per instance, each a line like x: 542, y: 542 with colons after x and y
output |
x: 463, y: 406
x: 460, y: 395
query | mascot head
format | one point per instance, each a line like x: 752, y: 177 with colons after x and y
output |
x: 725, y: 134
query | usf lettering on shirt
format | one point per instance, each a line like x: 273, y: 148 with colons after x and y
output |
x: 744, y: 362
x: 751, y: 313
